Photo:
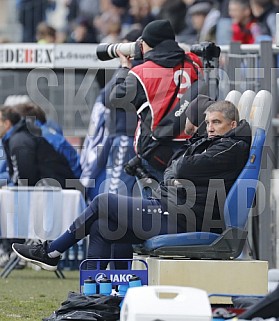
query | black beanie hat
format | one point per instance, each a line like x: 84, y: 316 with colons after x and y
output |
x: 157, y: 31
x: 197, y: 107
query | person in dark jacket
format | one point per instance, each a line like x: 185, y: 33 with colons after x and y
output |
x: 264, y: 12
x: 242, y: 21
x: 206, y: 169
x: 30, y: 14
x: 153, y: 88
x: 52, y: 133
x: 32, y: 161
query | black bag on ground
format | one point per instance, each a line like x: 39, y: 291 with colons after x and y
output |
x: 81, y: 307
x: 267, y: 307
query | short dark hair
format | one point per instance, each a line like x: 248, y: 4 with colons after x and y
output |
x: 8, y: 113
x: 31, y: 110
x: 43, y: 30
x: 225, y: 107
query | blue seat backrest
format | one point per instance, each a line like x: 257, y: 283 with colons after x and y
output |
x: 241, y: 195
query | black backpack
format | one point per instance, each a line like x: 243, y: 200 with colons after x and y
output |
x: 80, y: 307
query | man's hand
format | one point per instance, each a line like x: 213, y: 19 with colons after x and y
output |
x: 124, y: 61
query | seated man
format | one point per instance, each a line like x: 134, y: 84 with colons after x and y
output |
x: 31, y: 160
x: 51, y: 132
x: 185, y: 200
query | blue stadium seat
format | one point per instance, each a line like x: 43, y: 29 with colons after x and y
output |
x: 240, y: 199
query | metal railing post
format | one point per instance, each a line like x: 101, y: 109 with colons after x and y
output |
x: 269, y: 83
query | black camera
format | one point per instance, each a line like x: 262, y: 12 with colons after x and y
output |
x: 107, y: 51
x: 209, y: 53
x: 135, y: 168
x: 206, y: 50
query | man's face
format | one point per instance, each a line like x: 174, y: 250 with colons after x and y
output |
x: 198, y: 21
x: 239, y: 14
x: 217, y: 125
x: 4, y: 126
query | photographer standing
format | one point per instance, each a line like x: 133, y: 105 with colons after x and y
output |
x: 153, y: 89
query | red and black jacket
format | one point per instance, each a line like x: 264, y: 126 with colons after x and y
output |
x: 148, y: 88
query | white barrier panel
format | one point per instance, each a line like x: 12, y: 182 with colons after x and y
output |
x: 30, y: 55
x: 277, y: 30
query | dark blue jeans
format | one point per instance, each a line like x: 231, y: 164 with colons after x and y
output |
x: 115, y: 219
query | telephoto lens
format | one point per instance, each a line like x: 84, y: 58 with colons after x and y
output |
x: 107, y: 51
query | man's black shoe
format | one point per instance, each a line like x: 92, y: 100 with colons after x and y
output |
x: 36, y: 254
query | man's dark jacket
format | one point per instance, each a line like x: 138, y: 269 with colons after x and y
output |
x: 31, y: 157
x: 202, y: 176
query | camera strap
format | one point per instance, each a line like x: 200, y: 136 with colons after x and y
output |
x: 193, y: 63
